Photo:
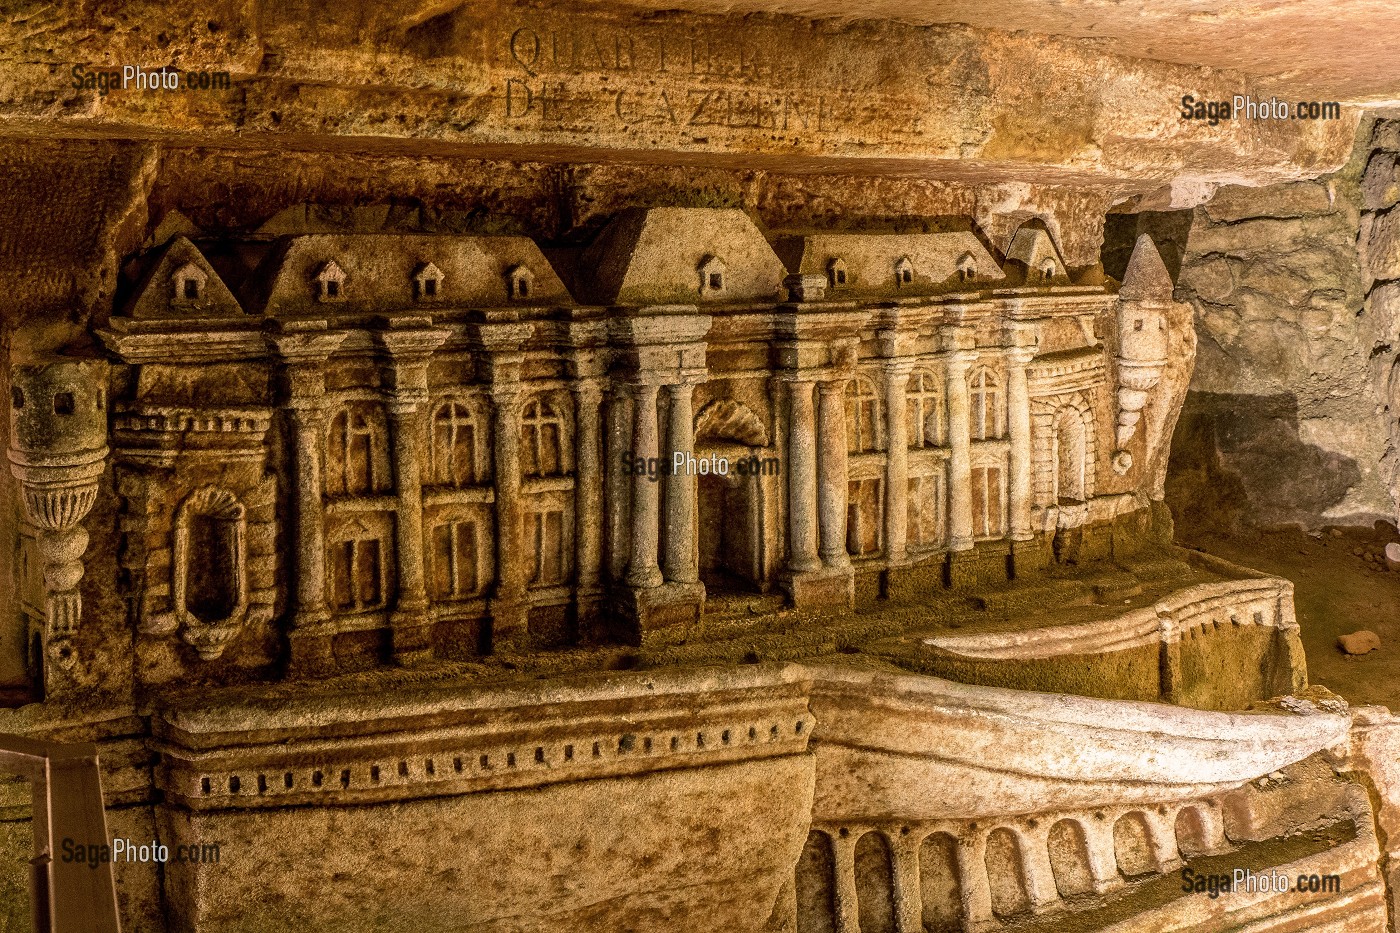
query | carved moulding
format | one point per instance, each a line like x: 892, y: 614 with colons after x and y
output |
x: 58, y: 452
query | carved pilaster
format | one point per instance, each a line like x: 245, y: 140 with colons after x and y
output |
x: 958, y: 360
x: 304, y: 356
x: 1018, y: 400
x: 409, y: 352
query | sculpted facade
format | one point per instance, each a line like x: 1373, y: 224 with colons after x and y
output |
x: 664, y: 577
x: 474, y: 461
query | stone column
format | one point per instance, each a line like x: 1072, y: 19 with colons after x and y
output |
x: 908, y: 898
x: 308, y: 424
x: 619, y: 501
x: 844, y: 862
x: 409, y: 352
x: 411, y: 624
x: 304, y: 356
x: 588, y: 488
x: 958, y: 362
x: 682, y: 554
x: 1035, y: 863
x: 509, y: 612
x: 896, y: 373
x: 1018, y: 402
x: 642, y: 570
x: 973, y: 884
x: 831, y: 468
x: 802, y: 479
x: 1102, y: 858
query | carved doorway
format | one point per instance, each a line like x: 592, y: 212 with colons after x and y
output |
x: 730, y: 557
x: 730, y: 519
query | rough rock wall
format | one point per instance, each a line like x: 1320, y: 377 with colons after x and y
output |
x: 1284, y: 423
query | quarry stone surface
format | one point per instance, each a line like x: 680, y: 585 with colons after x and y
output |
x: 1286, y: 409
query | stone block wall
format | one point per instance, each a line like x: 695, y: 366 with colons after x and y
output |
x: 1285, y: 420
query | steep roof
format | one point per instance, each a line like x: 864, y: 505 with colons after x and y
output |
x: 1032, y: 246
x: 160, y: 294
x: 1146, y: 278
x: 378, y: 272
x: 655, y: 256
x: 870, y: 261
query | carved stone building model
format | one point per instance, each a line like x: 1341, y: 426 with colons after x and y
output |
x: 526, y: 469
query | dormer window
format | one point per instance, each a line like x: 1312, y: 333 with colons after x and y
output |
x: 967, y: 268
x: 520, y: 283
x: 1047, y: 269
x: 904, y: 272
x: 188, y: 283
x: 836, y: 273
x: 330, y: 282
x: 712, y: 276
x: 427, y: 282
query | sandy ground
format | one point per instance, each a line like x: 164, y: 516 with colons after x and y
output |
x: 1342, y: 585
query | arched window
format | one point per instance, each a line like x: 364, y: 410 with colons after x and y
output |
x: 988, y: 412
x: 862, y: 416
x: 1047, y: 269
x: 967, y: 268
x: 712, y: 280
x: 924, y: 410
x: 330, y: 282
x: 188, y: 282
x: 208, y: 582
x: 520, y: 283
x: 904, y: 271
x: 458, y: 442
x: 357, y: 457
x: 542, y: 439
x: 836, y: 273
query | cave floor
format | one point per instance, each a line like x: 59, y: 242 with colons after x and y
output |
x: 1341, y: 585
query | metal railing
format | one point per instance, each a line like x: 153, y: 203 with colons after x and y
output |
x: 65, y: 896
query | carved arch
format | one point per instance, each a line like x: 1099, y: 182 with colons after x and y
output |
x: 209, y: 569
x: 729, y: 420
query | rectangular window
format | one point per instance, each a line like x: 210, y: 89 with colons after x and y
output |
x: 357, y: 575
x: 456, y: 570
x: 863, y: 513
x: 988, y: 502
x: 925, y: 511
x: 544, y: 535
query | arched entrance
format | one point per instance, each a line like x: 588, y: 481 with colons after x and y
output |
x: 731, y: 505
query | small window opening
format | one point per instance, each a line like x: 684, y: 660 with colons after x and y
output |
x: 17, y: 397
x: 63, y: 403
